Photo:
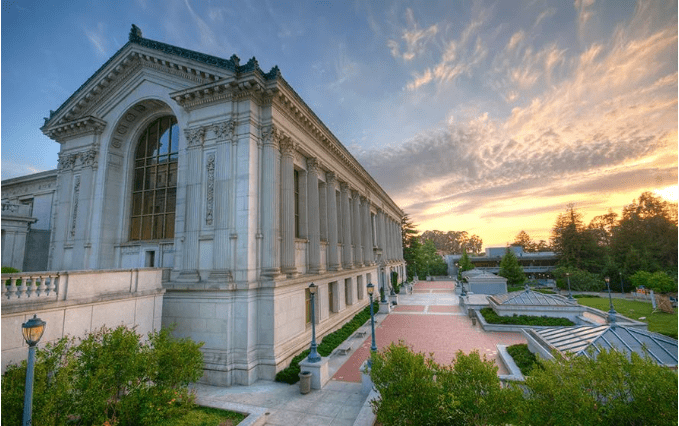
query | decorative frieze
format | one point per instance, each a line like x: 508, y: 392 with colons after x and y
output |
x: 75, y: 160
x: 210, y: 202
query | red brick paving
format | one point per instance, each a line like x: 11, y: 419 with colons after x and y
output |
x: 442, y: 335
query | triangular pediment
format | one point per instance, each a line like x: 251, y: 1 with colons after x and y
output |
x: 195, y: 69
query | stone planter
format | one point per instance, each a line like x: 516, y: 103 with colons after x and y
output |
x: 305, y: 382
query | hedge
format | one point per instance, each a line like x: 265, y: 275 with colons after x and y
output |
x: 492, y: 318
x: 331, y: 341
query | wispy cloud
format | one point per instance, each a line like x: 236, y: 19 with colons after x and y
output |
x: 98, y: 39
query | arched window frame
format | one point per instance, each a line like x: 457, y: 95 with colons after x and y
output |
x: 153, y: 187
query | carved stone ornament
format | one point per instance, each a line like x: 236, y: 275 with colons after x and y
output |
x: 76, y: 195
x: 210, y: 189
x: 195, y: 136
x: 69, y: 162
x: 226, y: 130
x: 312, y: 165
x: 10, y: 207
x: 287, y: 146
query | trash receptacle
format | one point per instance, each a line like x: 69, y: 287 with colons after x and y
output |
x: 305, y: 382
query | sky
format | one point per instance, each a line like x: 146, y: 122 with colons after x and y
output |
x: 478, y: 116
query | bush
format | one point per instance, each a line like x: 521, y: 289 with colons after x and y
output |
x: 415, y: 390
x: 523, y: 357
x: 492, y: 318
x: 659, y: 282
x: 580, y: 280
x: 331, y: 341
x: 110, y: 375
x: 613, y: 388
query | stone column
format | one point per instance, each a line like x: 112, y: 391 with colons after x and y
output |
x: 347, y: 261
x: 288, y: 207
x: 270, y: 202
x: 314, y: 225
x: 356, y: 228
x: 333, y: 264
x: 194, y: 143
x: 366, y: 233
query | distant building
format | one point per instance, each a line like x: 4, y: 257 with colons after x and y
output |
x: 537, y: 266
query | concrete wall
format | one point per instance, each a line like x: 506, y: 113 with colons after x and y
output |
x: 78, y: 303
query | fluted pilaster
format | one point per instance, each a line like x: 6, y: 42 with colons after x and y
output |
x: 347, y: 261
x: 333, y: 263
x: 314, y: 236
x: 287, y: 207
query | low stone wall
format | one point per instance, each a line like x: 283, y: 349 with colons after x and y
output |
x: 77, y: 302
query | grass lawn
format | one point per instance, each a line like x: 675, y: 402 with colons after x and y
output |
x: 205, y: 416
x: 659, y: 322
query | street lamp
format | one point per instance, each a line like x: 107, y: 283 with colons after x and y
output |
x: 568, y: 278
x: 611, y: 312
x: 32, y: 331
x: 622, y: 288
x: 313, y: 353
x: 373, y: 346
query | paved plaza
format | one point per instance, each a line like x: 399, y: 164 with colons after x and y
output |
x: 429, y: 320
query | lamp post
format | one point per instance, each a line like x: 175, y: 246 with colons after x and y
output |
x: 622, y: 288
x: 313, y: 353
x: 611, y: 312
x: 32, y: 331
x: 373, y: 346
x: 568, y: 278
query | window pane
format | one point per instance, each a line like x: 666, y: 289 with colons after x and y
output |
x: 158, y: 227
x: 141, y: 148
x: 172, y: 174
x: 135, y: 228
x: 146, y: 228
x: 161, y: 176
x: 169, y: 225
x: 159, y: 204
x: 148, y: 202
x: 152, y: 144
x: 164, y: 136
x: 150, y: 178
x: 136, y: 204
x: 174, y: 137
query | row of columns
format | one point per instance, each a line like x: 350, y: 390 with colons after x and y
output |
x: 344, y: 221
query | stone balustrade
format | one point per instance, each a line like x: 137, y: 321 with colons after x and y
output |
x: 30, y: 287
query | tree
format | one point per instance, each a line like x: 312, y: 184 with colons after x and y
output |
x: 646, y: 236
x: 657, y: 281
x: 411, y: 245
x: 464, y: 265
x: 603, y: 227
x: 454, y: 242
x: 575, y: 244
x: 511, y: 269
x: 522, y: 239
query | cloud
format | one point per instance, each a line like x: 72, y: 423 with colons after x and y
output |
x: 98, y: 39
x: 414, y: 37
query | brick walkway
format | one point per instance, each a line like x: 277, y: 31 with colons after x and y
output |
x: 429, y: 320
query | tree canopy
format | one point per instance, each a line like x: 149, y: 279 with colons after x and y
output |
x: 511, y: 269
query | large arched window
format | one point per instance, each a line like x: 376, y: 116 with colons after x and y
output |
x: 154, y: 190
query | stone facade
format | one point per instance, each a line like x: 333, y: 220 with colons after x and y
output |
x: 267, y: 200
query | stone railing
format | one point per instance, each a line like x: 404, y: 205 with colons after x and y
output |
x: 30, y: 287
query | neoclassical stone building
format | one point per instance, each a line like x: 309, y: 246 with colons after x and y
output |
x: 220, y: 173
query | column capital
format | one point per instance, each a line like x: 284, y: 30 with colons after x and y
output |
x: 272, y: 135
x: 312, y: 165
x: 288, y: 146
x: 330, y: 177
x: 354, y: 193
x: 195, y: 136
x: 344, y: 187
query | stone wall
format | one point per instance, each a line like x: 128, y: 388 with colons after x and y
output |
x: 76, y: 303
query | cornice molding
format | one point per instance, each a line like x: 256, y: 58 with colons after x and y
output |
x: 71, y: 129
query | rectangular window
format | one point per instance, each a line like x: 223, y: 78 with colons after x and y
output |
x: 307, y: 304
x: 359, y: 287
x: 332, y: 293
x: 296, y: 184
x: 348, y: 293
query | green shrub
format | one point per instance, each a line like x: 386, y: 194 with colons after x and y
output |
x: 331, y: 341
x: 658, y: 281
x: 580, y: 280
x: 492, y: 318
x: 110, y: 375
x: 415, y: 390
x: 614, y: 388
x: 523, y: 357
x: 10, y: 270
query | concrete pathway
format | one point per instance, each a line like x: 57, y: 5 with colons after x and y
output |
x: 429, y: 320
